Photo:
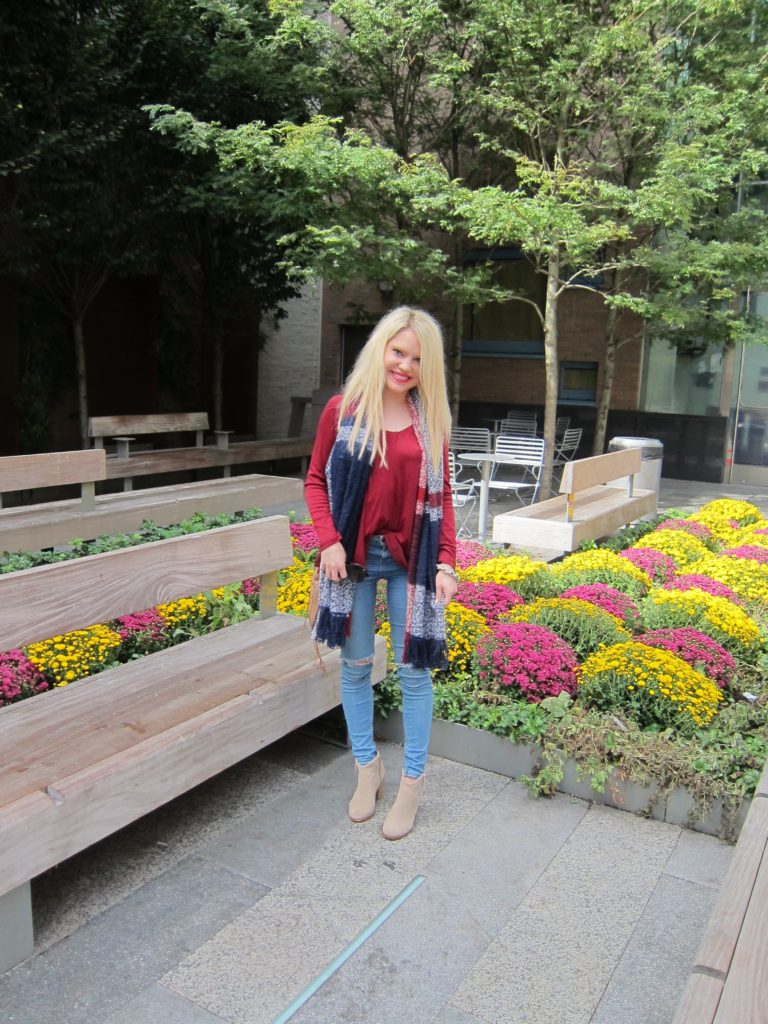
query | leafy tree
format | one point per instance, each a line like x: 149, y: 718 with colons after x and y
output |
x: 618, y: 152
x: 93, y: 193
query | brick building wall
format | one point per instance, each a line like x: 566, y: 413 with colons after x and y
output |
x: 520, y: 382
x: 289, y: 363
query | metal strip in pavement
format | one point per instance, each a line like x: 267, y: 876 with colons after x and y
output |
x: 347, y: 952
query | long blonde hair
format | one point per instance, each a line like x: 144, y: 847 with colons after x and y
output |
x: 364, y: 387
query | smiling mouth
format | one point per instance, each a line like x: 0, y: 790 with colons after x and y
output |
x: 401, y: 378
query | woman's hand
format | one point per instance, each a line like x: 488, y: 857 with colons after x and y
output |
x: 445, y: 587
x: 333, y: 562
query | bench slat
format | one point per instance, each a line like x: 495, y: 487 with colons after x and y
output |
x: 154, y: 423
x: 32, y: 527
x: 47, y: 600
x: 52, y: 469
x: 597, y: 513
x: 700, y: 1000
x: 599, y: 469
x: 716, y: 950
x: 44, y: 743
x: 741, y: 893
x: 745, y: 995
x: 177, y: 460
x: 105, y: 796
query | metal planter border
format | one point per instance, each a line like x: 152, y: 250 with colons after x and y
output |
x: 492, y: 753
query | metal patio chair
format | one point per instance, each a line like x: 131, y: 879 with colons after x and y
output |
x: 526, y: 456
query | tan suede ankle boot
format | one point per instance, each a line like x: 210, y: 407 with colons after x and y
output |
x: 370, y: 779
x: 402, y: 814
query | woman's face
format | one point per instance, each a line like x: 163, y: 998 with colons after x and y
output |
x: 402, y: 362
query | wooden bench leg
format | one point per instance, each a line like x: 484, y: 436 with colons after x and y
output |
x: 16, y: 938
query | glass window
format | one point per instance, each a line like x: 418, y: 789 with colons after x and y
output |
x: 507, y: 328
x: 676, y: 382
x: 578, y: 382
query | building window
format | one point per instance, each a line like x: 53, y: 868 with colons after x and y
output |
x: 578, y: 382
x: 506, y: 329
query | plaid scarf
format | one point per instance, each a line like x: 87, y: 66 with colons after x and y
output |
x: 347, y: 475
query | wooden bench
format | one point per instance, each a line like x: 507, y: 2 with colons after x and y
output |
x: 54, y: 523
x: 728, y: 983
x: 223, y: 454
x: 80, y: 762
x: 594, y: 502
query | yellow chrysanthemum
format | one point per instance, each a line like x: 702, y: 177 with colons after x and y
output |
x: 464, y: 628
x: 682, y: 547
x: 185, y: 610
x: 506, y: 569
x: 742, y: 512
x: 74, y: 655
x: 600, y: 558
x: 655, y: 685
x: 293, y: 589
x: 745, y: 577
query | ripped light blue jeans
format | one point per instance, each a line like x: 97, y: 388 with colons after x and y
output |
x: 357, y: 663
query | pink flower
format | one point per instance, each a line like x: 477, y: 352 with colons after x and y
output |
x: 608, y: 598
x: 470, y: 552
x: 753, y: 551
x: 659, y: 566
x: 696, y: 529
x: 528, y: 658
x: 696, y: 580
x: 697, y: 649
x: 304, y: 537
x: 489, y: 599
x: 149, y: 622
x: 19, y: 678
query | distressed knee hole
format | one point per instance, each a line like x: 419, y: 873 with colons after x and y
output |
x: 358, y: 661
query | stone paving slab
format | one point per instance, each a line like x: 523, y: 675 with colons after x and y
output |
x: 117, y: 955
x: 657, y: 958
x: 309, y: 919
x: 157, y: 1005
x: 581, y: 913
x: 410, y: 967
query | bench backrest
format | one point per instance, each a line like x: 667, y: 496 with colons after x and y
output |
x: 600, y: 469
x: 158, y: 423
x: 43, y: 602
x: 51, y: 469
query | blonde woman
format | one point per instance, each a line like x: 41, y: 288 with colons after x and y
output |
x: 378, y: 491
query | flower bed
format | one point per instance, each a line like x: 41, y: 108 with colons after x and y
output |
x: 645, y: 656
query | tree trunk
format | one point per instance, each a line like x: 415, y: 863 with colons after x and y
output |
x: 218, y: 378
x: 82, y: 380
x: 454, y: 396
x: 550, y: 370
x: 609, y: 372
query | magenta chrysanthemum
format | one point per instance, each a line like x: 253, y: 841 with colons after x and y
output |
x: 753, y: 551
x: 697, y: 649
x: 489, y: 599
x: 528, y: 658
x: 470, y: 552
x: 304, y: 537
x: 696, y: 529
x: 608, y: 598
x: 19, y: 678
x: 658, y: 565
x: 697, y: 581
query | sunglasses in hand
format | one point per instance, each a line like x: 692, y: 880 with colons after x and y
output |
x: 355, y: 572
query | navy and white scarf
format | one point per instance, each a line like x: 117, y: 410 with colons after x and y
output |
x: 347, y: 474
